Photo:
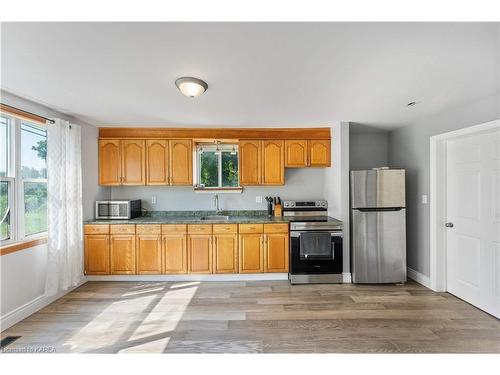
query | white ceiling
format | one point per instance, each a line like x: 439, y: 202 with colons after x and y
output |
x: 288, y: 74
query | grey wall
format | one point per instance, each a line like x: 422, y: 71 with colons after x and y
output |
x: 368, y: 149
x: 91, y: 191
x: 306, y: 183
x: 409, y: 147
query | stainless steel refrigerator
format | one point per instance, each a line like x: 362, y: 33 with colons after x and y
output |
x: 378, y: 236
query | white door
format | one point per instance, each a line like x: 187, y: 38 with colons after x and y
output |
x: 473, y: 219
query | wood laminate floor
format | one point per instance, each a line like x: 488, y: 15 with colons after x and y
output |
x: 256, y: 317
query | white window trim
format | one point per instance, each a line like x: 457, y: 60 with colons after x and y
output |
x: 16, y: 186
x: 222, y: 147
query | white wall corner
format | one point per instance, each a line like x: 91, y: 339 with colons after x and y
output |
x: 419, y: 277
x: 22, y: 312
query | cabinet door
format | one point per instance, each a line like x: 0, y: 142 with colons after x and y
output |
x: 157, y: 168
x: 225, y: 253
x: 148, y: 254
x: 110, y: 163
x: 319, y: 153
x: 276, y: 252
x: 250, y: 162
x: 296, y: 153
x: 273, y: 163
x: 133, y: 162
x: 181, y: 162
x: 174, y: 254
x: 122, y: 250
x: 200, y: 253
x: 97, y: 254
x: 251, y: 255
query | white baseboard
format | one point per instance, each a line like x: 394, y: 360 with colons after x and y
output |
x: 22, y: 312
x: 419, y: 277
x: 193, y: 277
x: 346, y: 278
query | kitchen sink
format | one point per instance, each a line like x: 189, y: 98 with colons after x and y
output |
x: 215, y: 218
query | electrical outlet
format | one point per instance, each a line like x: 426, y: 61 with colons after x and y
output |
x: 153, y: 200
x: 258, y: 199
x: 424, y: 199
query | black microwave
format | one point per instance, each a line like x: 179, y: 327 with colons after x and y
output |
x: 127, y: 209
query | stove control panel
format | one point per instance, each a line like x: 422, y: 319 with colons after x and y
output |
x: 297, y: 205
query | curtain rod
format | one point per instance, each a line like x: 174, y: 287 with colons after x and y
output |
x: 29, y: 113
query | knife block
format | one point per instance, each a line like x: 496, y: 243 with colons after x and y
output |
x: 278, y: 210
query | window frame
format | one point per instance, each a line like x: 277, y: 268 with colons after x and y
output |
x: 16, y: 182
x: 226, y: 147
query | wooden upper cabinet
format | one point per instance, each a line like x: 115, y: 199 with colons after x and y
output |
x: 296, y: 153
x: 122, y: 250
x: 181, y: 162
x: 225, y: 253
x: 97, y: 254
x: 157, y: 162
x: 250, y: 162
x: 110, y: 164
x: 133, y: 162
x: 273, y: 162
x: 319, y: 153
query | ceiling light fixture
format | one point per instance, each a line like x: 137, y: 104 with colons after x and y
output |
x: 191, y: 87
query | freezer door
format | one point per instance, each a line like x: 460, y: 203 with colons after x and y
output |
x: 378, y: 188
x: 379, y: 246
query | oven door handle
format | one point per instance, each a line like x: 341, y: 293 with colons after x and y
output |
x: 296, y: 234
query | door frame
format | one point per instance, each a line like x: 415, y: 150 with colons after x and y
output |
x: 438, y: 200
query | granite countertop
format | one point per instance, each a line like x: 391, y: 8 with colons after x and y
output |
x: 194, y: 217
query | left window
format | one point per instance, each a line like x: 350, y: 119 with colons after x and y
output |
x: 23, y: 179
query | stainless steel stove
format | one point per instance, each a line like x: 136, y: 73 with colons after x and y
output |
x: 315, y: 243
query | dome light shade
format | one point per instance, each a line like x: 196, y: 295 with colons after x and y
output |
x: 191, y: 87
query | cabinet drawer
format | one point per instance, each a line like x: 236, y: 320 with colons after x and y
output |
x: 225, y: 228
x: 199, y: 228
x: 251, y: 228
x: 148, y: 229
x: 276, y: 228
x: 122, y: 229
x: 173, y: 228
x: 96, y: 229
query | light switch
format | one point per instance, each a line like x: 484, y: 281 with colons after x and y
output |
x: 258, y: 199
x: 424, y: 199
x: 153, y: 200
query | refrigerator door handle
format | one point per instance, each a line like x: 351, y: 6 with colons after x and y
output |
x: 378, y: 209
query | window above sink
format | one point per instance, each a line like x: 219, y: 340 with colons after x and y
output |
x: 217, y: 167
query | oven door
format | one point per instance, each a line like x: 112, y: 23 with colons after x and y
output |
x: 315, y: 252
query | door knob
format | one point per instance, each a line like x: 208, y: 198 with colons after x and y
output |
x: 449, y: 225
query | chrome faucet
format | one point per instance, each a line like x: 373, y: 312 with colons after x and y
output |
x: 216, y: 203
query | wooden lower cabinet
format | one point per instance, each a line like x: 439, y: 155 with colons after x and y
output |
x: 174, y: 253
x: 251, y: 255
x: 199, y: 253
x: 276, y: 252
x: 179, y: 249
x: 225, y: 253
x: 148, y: 254
x: 97, y: 254
x: 122, y: 254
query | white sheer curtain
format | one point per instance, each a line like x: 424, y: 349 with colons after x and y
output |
x: 64, y: 198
